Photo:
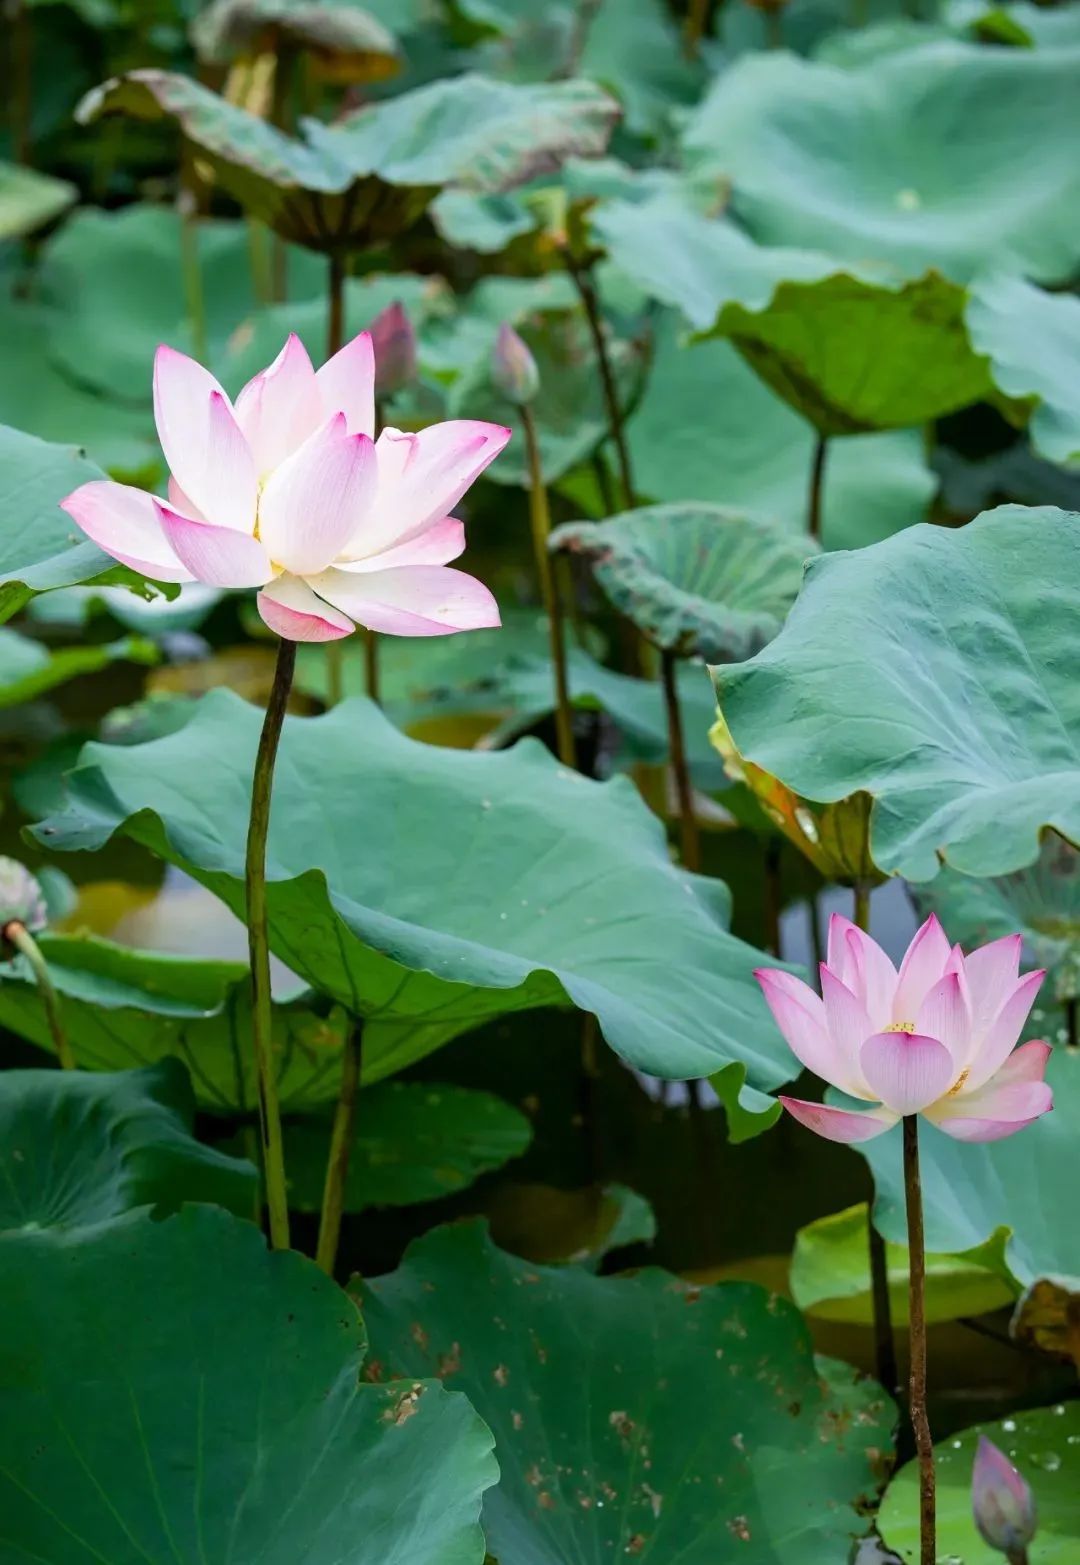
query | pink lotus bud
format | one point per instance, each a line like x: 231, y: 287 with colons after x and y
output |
x: 1002, y: 1502
x: 394, y: 341
x: 513, y: 368
x: 21, y: 898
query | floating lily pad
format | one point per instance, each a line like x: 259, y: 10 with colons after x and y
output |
x: 697, y: 580
x: 28, y: 669
x: 929, y: 672
x: 29, y: 200
x: 1033, y: 340
x: 77, y: 1148
x: 143, y: 1425
x: 427, y: 932
x: 636, y: 1415
x: 912, y: 158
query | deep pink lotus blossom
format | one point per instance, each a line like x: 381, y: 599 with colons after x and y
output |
x: 1001, y: 1501
x: 287, y: 491
x: 938, y: 1038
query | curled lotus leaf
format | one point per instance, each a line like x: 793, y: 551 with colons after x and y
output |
x: 29, y: 200
x: 350, y: 44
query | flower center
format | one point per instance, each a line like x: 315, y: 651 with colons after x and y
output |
x: 900, y: 1027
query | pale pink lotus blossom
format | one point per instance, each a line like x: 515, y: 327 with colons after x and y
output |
x: 286, y: 491
x: 936, y: 1038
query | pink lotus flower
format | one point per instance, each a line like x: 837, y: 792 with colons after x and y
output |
x: 1001, y: 1502
x: 936, y: 1039
x: 286, y: 491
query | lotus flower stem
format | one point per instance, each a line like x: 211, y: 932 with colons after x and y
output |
x: 188, y: 209
x: 587, y: 292
x: 540, y: 516
x: 259, y: 947
x: 773, y: 889
x: 697, y: 19
x: 817, y: 488
x: 1072, y: 1031
x: 691, y: 848
x: 335, y: 333
x: 21, y: 114
x: 341, y: 1144
x: 16, y: 934
x: 920, y: 1423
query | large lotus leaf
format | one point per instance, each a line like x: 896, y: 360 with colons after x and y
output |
x: 1032, y: 339
x: 916, y: 158
x: 1043, y: 1443
x: 123, y: 1007
x: 28, y: 200
x: 177, y: 1393
x: 429, y: 889
x: 351, y: 45
x: 697, y: 580
x: 40, y: 546
x: 754, y: 453
x: 851, y: 351
x: 929, y: 671
x: 640, y: 1416
x: 78, y: 1147
x: 806, y: 26
x: 28, y: 669
x: 415, y: 1141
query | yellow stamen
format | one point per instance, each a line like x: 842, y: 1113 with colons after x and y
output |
x: 958, y: 1084
x: 900, y: 1027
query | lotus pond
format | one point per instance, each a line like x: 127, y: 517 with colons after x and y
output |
x: 540, y: 836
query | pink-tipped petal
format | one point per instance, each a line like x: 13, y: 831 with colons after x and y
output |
x: 437, y: 546
x: 800, y: 1016
x: 944, y: 1015
x: 840, y: 1124
x: 291, y: 609
x: 124, y: 522
x: 413, y: 600
x: 1014, y: 1097
x: 347, y: 385
x: 849, y: 1026
x: 280, y: 407
x: 866, y: 969
x: 907, y: 1071
x: 314, y: 500
x: 217, y: 556
x: 182, y: 502
x: 992, y: 971
x: 422, y: 477
x: 926, y: 960
x: 999, y: 1040
x: 203, y: 444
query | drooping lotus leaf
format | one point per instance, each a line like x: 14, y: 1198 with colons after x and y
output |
x: 915, y: 158
x: 1043, y: 1443
x: 707, y: 428
x: 635, y: 1415
x: 364, y: 180
x: 573, y: 1227
x: 697, y: 580
x: 79, y: 1147
x: 491, y: 883
x: 853, y: 350
x: 175, y: 1391
x: 126, y: 1008
x: 415, y: 1141
x: 29, y: 200
x: 1032, y: 339
x: 40, y: 546
x: 28, y: 669
x: 350, y: 44
x: 929, y: 672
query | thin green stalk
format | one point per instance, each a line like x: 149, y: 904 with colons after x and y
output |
x: 282, y: 115
x: 697, y: 20
x: 814, y: 516
x: 335, y: 672
x: 587, y: 292
x: 194, y: 294
x: 21, y: 85
x: 262, y: 281
x: 691, y: 846
x: 16, y: 934
x: 335, y: 336
x: 540, y: 516
x: 773, y: 890
x: 920, y: 1421
x: 273, y: 1156
x: 341, y: 1144
x: 774, y: 28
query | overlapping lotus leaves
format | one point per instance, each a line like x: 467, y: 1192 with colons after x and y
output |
x: 125, y: 1008
x: 697, y: 580
x: 1043, y: 1443
x: 851, y: 349
x: 350, y: 45
x: 143, y: 1425
x: 78, y: 1148
x: 916, y: 158
x: 28, y: 669
x: 493, y: 883
x: 29, y: 200
x: 366, y: 179
x: 1032, y: 339
x: 929, y: 672
x: 636, y: 1415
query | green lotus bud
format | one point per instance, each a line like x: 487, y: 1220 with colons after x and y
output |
x: 513, y: 368
x: 21, y: 898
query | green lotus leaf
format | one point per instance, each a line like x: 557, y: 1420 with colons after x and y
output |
x: 635, y: 1415
x: 908, y: 159
x: 29, y: 200
x: 28, y: 669
x: 697, y: 580
x: 415, y: 1141
x: 1016, y: 22
x: 754, y: 453
x: 928, y: 672
x: 1032, y: 339
x: 79, y: 1147
x: 851, y: 350
x: 175, y: 1391
x: 351, y: 44
x: 490, y: 883
x: 1043, y: 1443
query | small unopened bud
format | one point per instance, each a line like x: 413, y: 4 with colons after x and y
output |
x: 394, y: 342
x: 513, y: 368
x: 1002, y: 1503
x: 21, y: 898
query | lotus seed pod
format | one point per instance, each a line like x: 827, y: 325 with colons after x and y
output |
x: 513, y: 368
x: 1002, y: 1502
x: 21, y: 898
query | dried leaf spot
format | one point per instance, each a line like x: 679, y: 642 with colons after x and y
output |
x: 739, y: 1528
x: 500, y: 1374
x: 449, y: 1363
x: 622, y: 1424
x: 544, y: 1500
x: 404, y: 1406
x: 419, y: 1336
x: 635, y: 1544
